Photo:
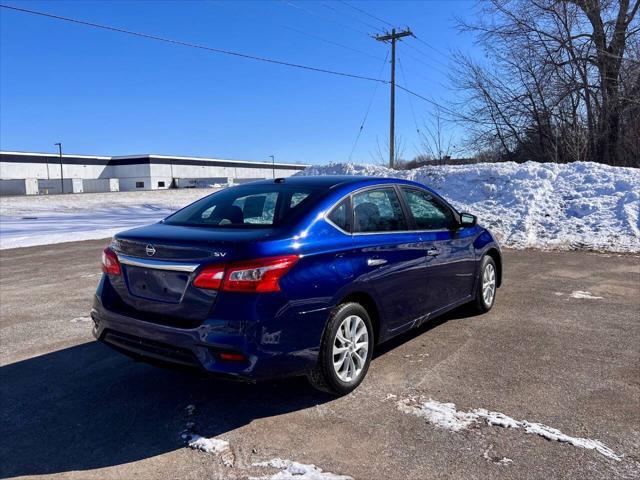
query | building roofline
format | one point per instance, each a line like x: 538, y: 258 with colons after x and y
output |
x: 64, y: 155
x: 177, y: 157
x: 161, y: 157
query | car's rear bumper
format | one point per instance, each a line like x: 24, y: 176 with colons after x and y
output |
x: 201, y: 347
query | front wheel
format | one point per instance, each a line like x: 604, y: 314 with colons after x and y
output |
x: 486, y: 291
x: 345, y: 352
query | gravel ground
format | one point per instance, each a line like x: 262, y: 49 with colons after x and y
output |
x: 72, y: 408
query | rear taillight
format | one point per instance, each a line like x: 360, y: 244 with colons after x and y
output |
x: 110, y: 262
x: 260, y: 275
x: 210, y: 277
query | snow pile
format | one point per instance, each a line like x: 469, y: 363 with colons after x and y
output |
x: 534, y: 205
x: 445, y: 415
x: 42, y: 220
x: 290, y: 470
x: 209, y: 445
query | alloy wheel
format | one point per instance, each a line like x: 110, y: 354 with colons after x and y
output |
x: 350, y: 348
x: 488, y: 284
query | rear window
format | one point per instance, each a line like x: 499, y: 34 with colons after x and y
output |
x: 250, y: 206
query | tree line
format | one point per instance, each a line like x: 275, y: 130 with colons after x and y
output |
x: 560, y: 81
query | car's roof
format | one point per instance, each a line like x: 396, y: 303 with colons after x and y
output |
x: 330, y: 181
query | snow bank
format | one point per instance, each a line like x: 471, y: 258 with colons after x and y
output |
x: 534, y: 205
x: 529, y: 205
x: 42, y: 220
x: 445, y: 415
x: 209, y: 445
x: 290, y: 470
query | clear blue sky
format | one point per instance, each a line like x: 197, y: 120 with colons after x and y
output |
x: 107, y: 93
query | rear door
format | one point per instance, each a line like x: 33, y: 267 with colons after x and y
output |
x: 388, y: 257
x: 449, y: 254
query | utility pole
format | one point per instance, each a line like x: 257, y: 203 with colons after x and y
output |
x: 273, y: 165
x: 59, y: 145
x: 392, y: 37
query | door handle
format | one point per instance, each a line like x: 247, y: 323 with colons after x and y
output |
x: 372, y: 262
x: 432, y: 252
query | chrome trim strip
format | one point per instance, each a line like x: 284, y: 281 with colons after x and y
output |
x: 372, y: 262
x: 157, y: 264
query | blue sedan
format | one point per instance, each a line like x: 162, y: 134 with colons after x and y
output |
x: 295, y: 276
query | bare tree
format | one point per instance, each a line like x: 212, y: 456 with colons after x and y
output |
x: 381, y: 154
x: 561, y: 81
x: 436, y: 142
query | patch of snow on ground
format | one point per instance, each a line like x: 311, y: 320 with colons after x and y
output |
x: 27, y: 221
x: 290, y: 470
x: 80, y: 319
x: 440, y: 414
x: 209, y: 445
x: 581, y: 294
x: 534, y: 205
x: 554, y: 434
x: 445, y: 415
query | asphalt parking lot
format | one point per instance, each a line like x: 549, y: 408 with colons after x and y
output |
x: 72, y: 408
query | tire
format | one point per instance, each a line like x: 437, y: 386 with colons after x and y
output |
x: 487, y: 285
x: 352, y: 363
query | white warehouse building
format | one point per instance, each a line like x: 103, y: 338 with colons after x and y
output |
x: 41, y: 173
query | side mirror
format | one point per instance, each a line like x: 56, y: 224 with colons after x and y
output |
x: 468, y: 220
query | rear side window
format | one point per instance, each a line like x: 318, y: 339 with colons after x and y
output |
x: 297, y: 197
x: 428, y: 212
x: 248, y: 206
x: 378, y: 210
x: 339, y: 216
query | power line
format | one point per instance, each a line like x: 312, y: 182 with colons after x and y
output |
x: 367, y: 13
x: 418, y: 59
x: 331, y: 42
x: 377, y: 29
x: 413, y: 113
x: 231, y: 53
x: 366, y: 113
x: 193, y: 45
x: 436, y: 104
x: 431, y: 46
x: 324, y: 17
x: 426, y: 55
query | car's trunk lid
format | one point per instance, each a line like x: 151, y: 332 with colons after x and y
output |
x: 160, y: 262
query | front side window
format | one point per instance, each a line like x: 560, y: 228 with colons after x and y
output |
x: 247, y: 206
x: 377, y: 210
x: 259, y: 209
x: 428, y: 213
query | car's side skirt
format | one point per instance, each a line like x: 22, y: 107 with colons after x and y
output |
x: 425, y: 318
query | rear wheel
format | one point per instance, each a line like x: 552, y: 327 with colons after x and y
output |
x: 487, y: 283
x: 345, y: 352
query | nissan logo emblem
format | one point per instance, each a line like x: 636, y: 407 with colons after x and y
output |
x: 151, y: 250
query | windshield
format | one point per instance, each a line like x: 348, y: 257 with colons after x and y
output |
x: 247, y: 206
